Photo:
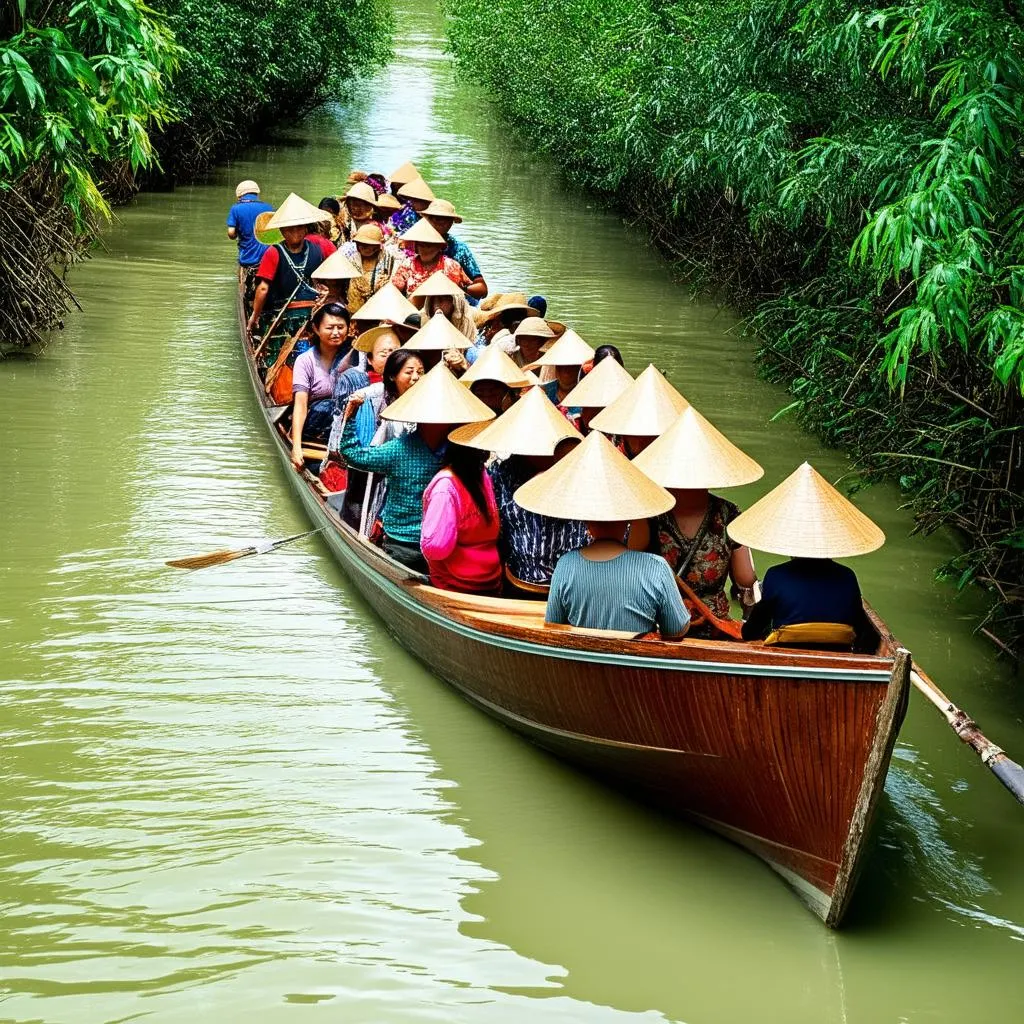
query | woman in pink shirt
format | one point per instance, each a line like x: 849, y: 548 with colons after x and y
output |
x: 459, y: 536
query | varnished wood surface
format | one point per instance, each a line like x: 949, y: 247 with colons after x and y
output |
x: 782, y: 751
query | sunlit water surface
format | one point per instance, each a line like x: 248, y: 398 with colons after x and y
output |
x: 228, y: 796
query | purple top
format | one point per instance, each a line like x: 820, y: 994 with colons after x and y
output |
x: 309, y: 375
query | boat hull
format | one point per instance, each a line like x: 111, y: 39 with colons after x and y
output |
x: 782, y: 752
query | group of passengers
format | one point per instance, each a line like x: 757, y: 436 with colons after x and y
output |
x: 489, y: 447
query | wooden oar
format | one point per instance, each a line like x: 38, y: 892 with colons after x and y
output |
x: 1006, y: 770
x: 730, y: 627
x: 230, y: 554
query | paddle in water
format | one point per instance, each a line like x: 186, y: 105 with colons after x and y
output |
x: 230, y: 554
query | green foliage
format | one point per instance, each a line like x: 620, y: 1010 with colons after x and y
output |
x: 78, y: 90
x: 251, y: 64
x: 852, y: 173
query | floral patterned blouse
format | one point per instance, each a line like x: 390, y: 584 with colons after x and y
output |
x: 708, y: 570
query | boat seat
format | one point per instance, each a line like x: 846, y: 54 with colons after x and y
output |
x: 829, y: 635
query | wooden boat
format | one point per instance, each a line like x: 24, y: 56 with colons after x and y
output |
x: 782, y: 751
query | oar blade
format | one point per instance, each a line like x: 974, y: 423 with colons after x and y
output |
x: 213, y: 558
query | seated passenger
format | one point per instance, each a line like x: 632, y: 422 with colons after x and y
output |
x: 494, y: 379
x: 441, y: 215
x: 499, y: 315
x: 459, y: 536
x: 605, y: 585
x: 530, y: 437
x: 440, y: 294
x: 331, y: 205
x: 596, y: 391
x: 435, y: 404
x: 566, y: 356
x: 428, y: 259
x: 644, y: 411
x: 809, y: 520
x: 313, y: 379
x: 285, y: 273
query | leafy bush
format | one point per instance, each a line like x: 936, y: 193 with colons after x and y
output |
x: 853, y: 175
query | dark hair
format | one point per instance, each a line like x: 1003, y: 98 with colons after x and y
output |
x: 393, y: 366
x: 604, y: 351
x: 467, y: 465
x: 330, y: 204
x: 331, y: 309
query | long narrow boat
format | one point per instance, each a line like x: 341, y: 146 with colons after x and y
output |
x: 784, y: 752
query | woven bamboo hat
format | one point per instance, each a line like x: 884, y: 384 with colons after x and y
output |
x: 244, y: 188
x: 388, y: 303
x: 406, y: 173
x: 364, y: 191
x: 600, y: 387
x: 337, y: 267
x: 442, y: 208
x: 647, y: 408
x: 422, y: 231
x: 439, y: 283
x: 295, y: 212
x: 805, y: 516
x: 693, y: 454
x: 437, y: 397
x: 493, y: 364
x: 386, y: 201
x: 534, y: 327
x: 438, y: 335
x: 533, y: 426
x: 369, y: 234
x: 416, y: 189
x: 502, y: 302
x: 594, y: 481
x: 569, y: 350
x: 268, y: 236
x: 366, y: 340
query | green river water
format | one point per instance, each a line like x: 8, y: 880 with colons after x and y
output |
x: 228, y: 796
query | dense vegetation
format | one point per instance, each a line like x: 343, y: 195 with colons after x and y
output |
x: 853, y: 176
x: 95, y: 93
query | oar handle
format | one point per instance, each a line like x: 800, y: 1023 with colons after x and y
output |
x: 1005, y: 769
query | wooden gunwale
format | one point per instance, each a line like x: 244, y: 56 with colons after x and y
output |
x: 467, y: 639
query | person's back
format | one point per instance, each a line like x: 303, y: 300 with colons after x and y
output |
x: 807, y: 590
x: 242, y: 221
x: 633, y: 591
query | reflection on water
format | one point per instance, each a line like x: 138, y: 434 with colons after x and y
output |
x: 228, y: 793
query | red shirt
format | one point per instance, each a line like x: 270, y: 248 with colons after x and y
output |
x: 270, y: 259
x: 325, y: 245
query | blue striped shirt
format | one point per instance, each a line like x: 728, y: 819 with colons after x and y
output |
x: 634, y: 591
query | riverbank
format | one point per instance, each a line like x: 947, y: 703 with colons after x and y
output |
x: 116, y: 95
x: 750, y: 143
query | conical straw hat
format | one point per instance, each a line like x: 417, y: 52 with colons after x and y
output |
x: 569, y: 350
x: 533, y: 327
x: 364, y: 191
x: 416, y: 189
x: 295, y: 212
x: 386, y: 304
x: 406, y: 173
x: 647, y: 408
x: 422, y: 231
x: 805, y: 516
x: 366, y: 340
x: 600, y: 387
x: 386, y: 201
x: 533, y: 426
x: 337, y: 267
x: 437, y: 397
x: 264, y: 234
x: 693, y: 454
x: 438, y: 335
x: 493, y: 364
x: 439, y: 283
x: 594, y: 481
x: 442, y: 208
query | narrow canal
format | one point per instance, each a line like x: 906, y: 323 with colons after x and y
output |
x: 228, y: 795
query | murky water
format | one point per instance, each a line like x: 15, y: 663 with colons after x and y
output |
x: 228, y: 796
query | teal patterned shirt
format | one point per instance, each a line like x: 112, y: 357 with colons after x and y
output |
x: 409, y: 466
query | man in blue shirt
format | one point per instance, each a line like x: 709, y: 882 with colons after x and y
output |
x: 242, y: 223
